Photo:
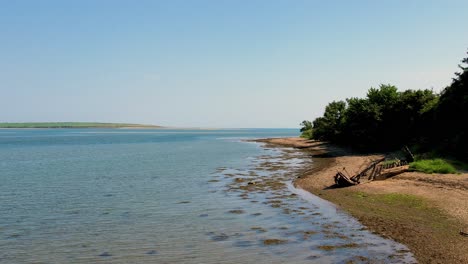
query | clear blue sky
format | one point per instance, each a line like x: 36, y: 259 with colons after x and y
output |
x: 217, y: 63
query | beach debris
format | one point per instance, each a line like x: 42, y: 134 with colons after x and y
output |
x: 463, y: 233
x: 152, y: 252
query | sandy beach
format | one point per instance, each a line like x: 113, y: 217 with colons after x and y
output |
x: 426, y: 212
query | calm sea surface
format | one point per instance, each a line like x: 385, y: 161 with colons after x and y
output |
x: 165, y: 196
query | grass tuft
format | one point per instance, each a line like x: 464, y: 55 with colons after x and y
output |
x: 432, y: 166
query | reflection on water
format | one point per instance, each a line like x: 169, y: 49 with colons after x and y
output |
x: 167, y: 198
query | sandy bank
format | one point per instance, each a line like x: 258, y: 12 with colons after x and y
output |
x: 424, y: 211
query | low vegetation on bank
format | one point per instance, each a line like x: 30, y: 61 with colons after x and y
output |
x: 432, y: 166
x: 387, y: 119
x: 306, y: 129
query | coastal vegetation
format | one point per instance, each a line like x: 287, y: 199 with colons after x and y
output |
x: 387, y: 119
x: 432, y: 166
x: 306, y: 129
x: 73, y: 125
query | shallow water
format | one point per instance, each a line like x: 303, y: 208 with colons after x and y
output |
x: 162, y: 196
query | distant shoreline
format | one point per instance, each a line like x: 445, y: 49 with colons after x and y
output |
x: 72, y: 125
x: 65, y: 125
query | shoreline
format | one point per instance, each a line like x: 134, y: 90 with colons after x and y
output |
x: 425, y: 212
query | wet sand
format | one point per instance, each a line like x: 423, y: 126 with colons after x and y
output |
x: 426, y: 212
x: 291, y: 223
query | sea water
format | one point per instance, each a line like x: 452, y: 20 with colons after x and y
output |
x: 166, y: 196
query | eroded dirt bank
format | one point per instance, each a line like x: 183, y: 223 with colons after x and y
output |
x: 426, y: 212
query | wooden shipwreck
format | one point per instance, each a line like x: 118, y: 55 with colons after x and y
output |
x: 342, y: 180
x: 377, y: 170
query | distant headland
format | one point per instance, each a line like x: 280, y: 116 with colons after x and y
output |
x: 74, y: 125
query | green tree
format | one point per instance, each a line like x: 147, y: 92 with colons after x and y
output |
x: 306, y: 129
x: 451, y: 124
x: 306, y: 125
x: 385, y: 97
x: 387, y: 119
x: 329, y: 127
x: 414, y: 112
x: 362, y: 123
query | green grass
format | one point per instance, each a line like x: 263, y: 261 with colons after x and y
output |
x: 70, y: 125
x: 432, y: 166
x: 307, y: 134
x: 402, y: 199
x: 394, y: 199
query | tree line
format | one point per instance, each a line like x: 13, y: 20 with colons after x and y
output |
x: 387, y: 119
